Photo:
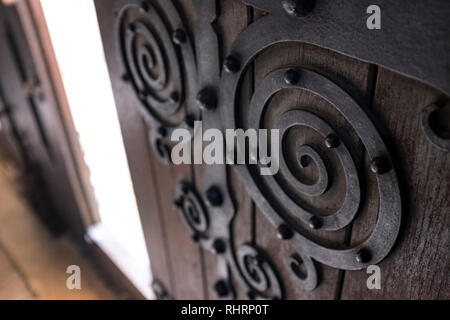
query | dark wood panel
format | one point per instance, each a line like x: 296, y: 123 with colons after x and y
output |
x: 233, y: 18
x: 35, y: 122
x: 135, y: 138
x: 418, y: 266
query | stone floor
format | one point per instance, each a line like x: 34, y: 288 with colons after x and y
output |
x: 33, y: 263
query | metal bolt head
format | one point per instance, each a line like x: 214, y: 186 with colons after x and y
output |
x: 126, y: 77
x: 184, y: 187
x: 207, y: 99
x: 363, y: 256
x: 162, y: 131
x: 298, y: 8
x: 195, y: 237
x: 131, y: 27
x: 284, y: 232
x: 221, y: 288
x: 291, y: 77
x: 178, y: 203
x: 174, y: 97
x: 219, y: 246
x: 315, y: 222
x: 332, y: 141
x: 189, y: 120
x: 144, y: 93
x: 380, y: 165
x: 231, y: 64
x: 145, y: 6
x: 179, y: 36
x: 214, y: 196
x: 259, y: 259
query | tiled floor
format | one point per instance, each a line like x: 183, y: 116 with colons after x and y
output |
x: 33, y: 263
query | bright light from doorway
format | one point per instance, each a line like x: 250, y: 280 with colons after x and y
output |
x: 76, y: 39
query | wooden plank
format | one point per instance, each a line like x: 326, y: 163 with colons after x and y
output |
x: 134, y: 133
x: 353, y: 76
x: 175, y: 259
x: 234, y: 17
x: 417, y: 267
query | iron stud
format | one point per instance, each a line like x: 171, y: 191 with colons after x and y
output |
x: 231, y: 64
x: 380, y: 165
x: 214, y: 196
x: 332, y: 141
x: 291, y: 77
x: 284, y: 232
x: 179, y: 36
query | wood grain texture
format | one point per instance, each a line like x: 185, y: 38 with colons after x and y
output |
x: 135, y: 138
x: 418, y: 266
x: 232, y: 19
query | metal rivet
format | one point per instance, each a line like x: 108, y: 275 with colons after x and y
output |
x: 219, y: 246
x: 221, y: 288
x: 259, y: 259
x: 207, y: 99
x: 195, y: 237
x: 184, y: 187
x: 189, y: 120
x: 144, y: 93
x: 231, y: 64
x: 284, y: 232
x: 363, y: 256
x: 298, y: 8
x: 132, y: 27
x: 174, y: 97
x: 332, y: 141
x: 214, y: 196
x: 126, y: 77
x: 162, y: 131
x: 178, y: 203
x: 315, y: 222
x: 380, y: 165
x: 179, y: 36
x: 145, y: 6
x: 291, y: 77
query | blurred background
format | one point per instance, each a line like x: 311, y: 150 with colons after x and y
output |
x: 66, y: 196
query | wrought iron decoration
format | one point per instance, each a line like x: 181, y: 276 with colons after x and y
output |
x: 160, y: 65
x: 173, y: 84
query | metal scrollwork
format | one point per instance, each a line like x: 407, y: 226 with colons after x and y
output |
x: 258, y: 273
x: 192, y: 209
x: 273, y: 83
x: 280, y: 207
x: 273, y: 194
x: 152, y: 41
x: 175, y: 88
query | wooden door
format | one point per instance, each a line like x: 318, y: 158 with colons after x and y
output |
x: 33, y: 138
x: 364, y: 118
